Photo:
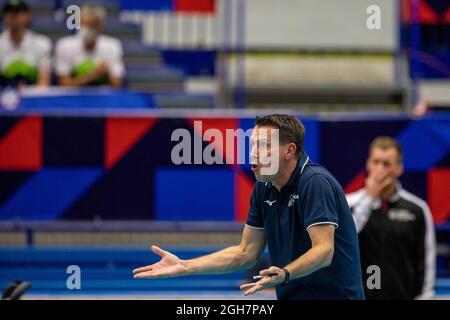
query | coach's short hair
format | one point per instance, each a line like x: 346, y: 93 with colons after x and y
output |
x: 384, y: 142
x: 291, y: 129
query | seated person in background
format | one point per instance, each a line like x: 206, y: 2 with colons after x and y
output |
x: 89, y: 58
x: 396, y: 230
x: 24, y: 54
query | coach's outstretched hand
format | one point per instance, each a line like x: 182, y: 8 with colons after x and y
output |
x: 270, y: 278
x: 169, y: 266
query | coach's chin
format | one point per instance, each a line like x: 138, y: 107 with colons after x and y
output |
x: 261, y: 175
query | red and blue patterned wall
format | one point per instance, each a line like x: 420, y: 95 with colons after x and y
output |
x: 179, y: 6
x: 426, y: 36
x: 109, y: 167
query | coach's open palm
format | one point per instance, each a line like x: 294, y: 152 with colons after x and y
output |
x: 169, y: 266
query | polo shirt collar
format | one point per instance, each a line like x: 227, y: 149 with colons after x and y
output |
x: 299, y: 168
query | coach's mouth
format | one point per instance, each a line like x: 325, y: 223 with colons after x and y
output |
x: 254, y: 167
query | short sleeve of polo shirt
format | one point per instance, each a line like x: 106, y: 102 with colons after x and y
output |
x: 320, y: 203
x: 255, y: 219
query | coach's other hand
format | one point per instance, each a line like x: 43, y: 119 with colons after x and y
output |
x: 268, y: 281
x: 169, y: 266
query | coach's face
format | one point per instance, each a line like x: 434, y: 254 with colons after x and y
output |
x: 267, y: 154
x: 384, y: 163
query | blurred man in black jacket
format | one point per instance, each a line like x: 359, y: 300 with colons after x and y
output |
x: 396, y: 230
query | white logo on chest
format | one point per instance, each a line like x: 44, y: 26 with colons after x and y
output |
x: 292, y: 199
x: 401, y: 215
x: 270, y: 203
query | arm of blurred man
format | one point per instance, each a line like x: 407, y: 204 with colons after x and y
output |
x: 115, y: 82
x: 426, y: 255
x: 44, y: 49
x: 82, y: 80
x: 44, y: 76
x: 116, y: 70
x: 361, y: 204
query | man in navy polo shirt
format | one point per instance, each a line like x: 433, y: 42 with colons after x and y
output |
x: 300, y: 211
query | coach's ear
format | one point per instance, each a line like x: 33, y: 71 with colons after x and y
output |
x: 291, y: 151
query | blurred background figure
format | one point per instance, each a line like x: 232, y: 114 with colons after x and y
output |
x: 24, y: 54
x: 90, y: 57
x: 395, y: 227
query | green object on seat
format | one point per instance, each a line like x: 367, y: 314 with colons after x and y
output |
x: 86, y: 67
x: 20, y: 68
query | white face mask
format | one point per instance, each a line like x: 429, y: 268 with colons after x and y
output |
x: 87, y: 34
